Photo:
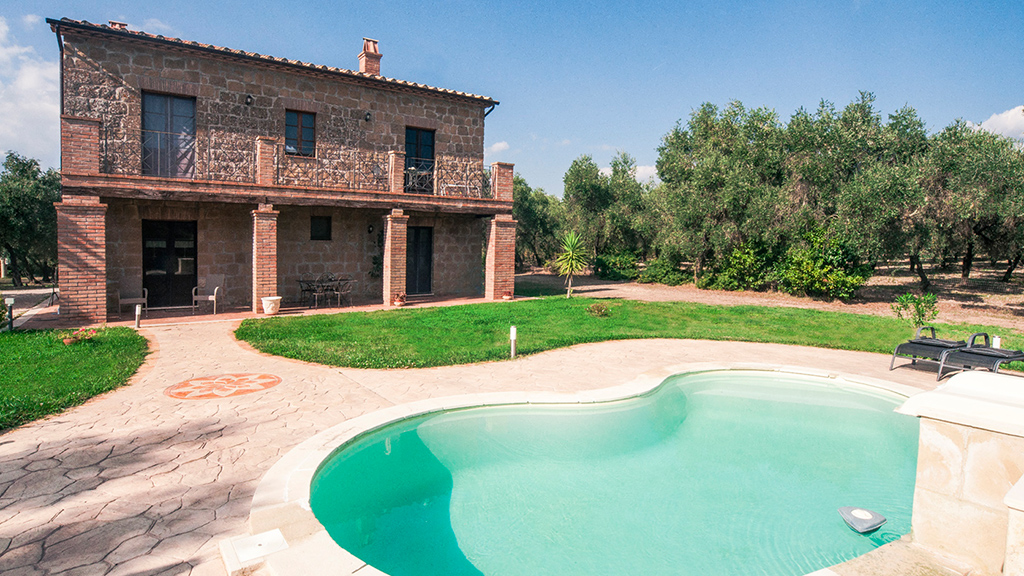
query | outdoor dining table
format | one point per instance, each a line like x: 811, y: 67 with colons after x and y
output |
x: 325, y: 286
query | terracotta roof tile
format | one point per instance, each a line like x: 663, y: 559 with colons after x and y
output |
x: 103, y: 28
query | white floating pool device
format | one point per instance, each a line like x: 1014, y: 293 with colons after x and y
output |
x: 861, y: 520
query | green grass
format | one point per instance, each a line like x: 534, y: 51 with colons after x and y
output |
x: 473, y: 333
x: 40, y: 375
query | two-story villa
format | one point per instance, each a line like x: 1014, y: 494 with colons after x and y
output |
x: 183, y: 161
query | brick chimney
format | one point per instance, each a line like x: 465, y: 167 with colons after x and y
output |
x: 117, y: 25
x: 369, y: 58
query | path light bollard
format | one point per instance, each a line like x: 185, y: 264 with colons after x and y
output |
x: 138, y: 315
x: 10, y: 312
x: 512, y: 337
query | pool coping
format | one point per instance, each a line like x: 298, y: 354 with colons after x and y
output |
x: 287, y: 537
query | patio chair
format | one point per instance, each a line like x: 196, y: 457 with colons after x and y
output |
x: 144, y: 301
x: 216, y: 281
x: 345, y: 292
x: 925, y: 347
x: 976, y: 355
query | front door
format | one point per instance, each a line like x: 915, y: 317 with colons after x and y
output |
x: 419, y: 251
x: 168, y: 262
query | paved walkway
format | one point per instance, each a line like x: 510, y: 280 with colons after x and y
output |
x: 137, y: 482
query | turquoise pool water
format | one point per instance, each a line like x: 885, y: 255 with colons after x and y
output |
x: 713, y: 473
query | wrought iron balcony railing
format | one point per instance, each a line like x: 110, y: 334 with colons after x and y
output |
x: 448, y: 175
x: 334, y: 167
x: 215, y: 155
x: 212, y: 155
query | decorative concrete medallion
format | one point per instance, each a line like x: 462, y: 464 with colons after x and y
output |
x: 222, y: 386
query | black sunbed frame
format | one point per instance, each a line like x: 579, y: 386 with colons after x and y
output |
x: 926, y: 348
x: 978, y: 356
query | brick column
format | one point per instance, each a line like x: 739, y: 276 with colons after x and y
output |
x: 396, y: 172
x: 82, y: 258
x: 264, y: 254
x: 395, y: 228
x: 265, y: 148
x: 500, y: 268
x: 501, y: 180
x: 79, y: 145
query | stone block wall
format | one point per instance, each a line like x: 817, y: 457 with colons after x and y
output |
x: 458, y: 253
x: 349, y: 252
x: 104, y: 78
x: 223, y: 242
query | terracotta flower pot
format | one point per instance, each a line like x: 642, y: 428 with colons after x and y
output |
x: 70, y: 341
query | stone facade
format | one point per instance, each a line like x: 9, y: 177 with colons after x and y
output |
x: 105, y: 81
x: 250, y: 198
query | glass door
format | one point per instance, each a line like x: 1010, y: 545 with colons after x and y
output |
x: 168, y: 262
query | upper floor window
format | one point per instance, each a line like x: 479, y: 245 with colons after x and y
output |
x: 300, y: 133
x: 419, y: 161
x: 168, y: 135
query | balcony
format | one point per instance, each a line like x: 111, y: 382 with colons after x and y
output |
x: 228, y: 157
x: 105, y: 160
x: 447, y: 175
x: 213, y: 155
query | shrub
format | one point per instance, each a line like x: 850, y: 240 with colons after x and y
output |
x: 745, y: 269
x: 616, y: 267
x: 918, y: 310
x: 3, y: 312
x: 804, y: 272
x: 598, y: 310
x: 824, y: 266
x: 662, y: 271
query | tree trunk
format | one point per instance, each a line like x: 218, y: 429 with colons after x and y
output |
x: 15, y: 271
x: 915, y: 263
x: 968, y: 262
x: 1012, y: 266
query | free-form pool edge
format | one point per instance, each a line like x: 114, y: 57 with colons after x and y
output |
x: 281, y: 501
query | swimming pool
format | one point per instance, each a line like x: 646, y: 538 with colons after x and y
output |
x: 727, y: 472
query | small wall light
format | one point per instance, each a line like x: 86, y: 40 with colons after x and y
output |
x: 369, y: 229
x: 368, y: 117
x: 249, y: 100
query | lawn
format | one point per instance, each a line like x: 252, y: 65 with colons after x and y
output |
x: 408, y: 338
x: 40, y: 375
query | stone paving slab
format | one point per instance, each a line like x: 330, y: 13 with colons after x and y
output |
x: 136, y: 482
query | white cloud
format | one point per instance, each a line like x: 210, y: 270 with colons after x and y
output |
x: 643, y: 173
x: 565, y: 142
x: 1009, y: 123
x: 30, y: 20
x: 497, y: 147
x: 154, y: 26
x: 29, y: 102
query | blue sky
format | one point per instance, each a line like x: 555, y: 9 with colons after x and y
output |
x: 578, y: 78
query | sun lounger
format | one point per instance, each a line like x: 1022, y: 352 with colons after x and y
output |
x: 924, y: 347
x: 976, y: 355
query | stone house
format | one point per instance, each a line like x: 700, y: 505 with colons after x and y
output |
x: 183, y: 161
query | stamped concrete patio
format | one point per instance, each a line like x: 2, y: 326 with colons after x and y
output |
x: 138, y: 482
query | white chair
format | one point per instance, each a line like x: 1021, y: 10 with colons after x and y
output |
x: 214, y: 281
x: 121, y: 301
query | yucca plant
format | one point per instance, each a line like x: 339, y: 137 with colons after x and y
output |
x: 571, y: 260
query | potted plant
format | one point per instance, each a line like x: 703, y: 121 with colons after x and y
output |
x: 399, y: 299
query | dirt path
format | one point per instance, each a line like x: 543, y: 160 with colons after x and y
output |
x: 984, y: 301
